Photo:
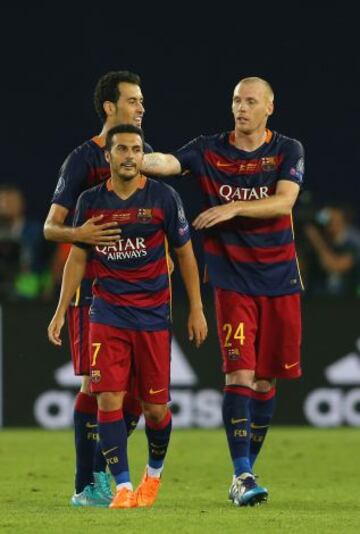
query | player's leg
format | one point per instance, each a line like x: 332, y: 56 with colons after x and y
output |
x: 262, y: 407
x: 279, y: 341
x: 237, y: 328
x: 109, y: 372
x: 152, y: 368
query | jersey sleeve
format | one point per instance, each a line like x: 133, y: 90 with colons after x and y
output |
x: 190, y: 155
x: 293, y: 165
x: 72, y: 177
x: 176, y: 225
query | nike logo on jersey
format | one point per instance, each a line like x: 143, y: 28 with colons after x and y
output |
x: 155, y: 391
x: 290, y: 365
x: 220, y: 164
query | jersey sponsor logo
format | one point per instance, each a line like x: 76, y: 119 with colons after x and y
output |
x: 144, y: 215
x: 243, y: 193
x: 156, y: 391
x: 125, y: 249
x: 290, y: 365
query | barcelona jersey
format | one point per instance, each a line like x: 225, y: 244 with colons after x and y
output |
x: 84, y: 167
x: 248, y: 255
x: 132, y: 287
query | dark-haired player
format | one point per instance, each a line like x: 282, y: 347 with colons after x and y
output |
x: 130, y: 313
x: 118, y: 100
x: 250, y: 179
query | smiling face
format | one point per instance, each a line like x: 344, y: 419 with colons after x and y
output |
x: 126, y: 156
x: 129, y: 108
x: 251, y: 106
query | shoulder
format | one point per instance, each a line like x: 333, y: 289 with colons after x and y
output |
x: 162, y: 190
x: 288, y: 143
x: 148, y: 148
x: 89, y: 195
x: 85, y: 151
x: 202, y: 142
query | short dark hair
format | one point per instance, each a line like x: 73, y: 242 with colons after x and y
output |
x: 107, y: 88
x: 122, y: 128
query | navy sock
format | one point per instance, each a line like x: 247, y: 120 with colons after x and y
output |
x: 158, y: 435
x: 236, y: 416
x: 113, y: 439
x: 132, y: 411
x: 99, y: 458
x: 262, y: 407
x: 85, y: 427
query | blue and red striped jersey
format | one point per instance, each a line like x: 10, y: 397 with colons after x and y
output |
x: 132, y: 286
x: 247, y: 255
x: 84, y: 167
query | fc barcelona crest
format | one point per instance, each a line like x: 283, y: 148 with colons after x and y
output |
x: 95, y: 376
x: 144, y: 215
x: 269, y: 164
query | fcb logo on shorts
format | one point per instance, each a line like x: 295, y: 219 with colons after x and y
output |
x: 144, y: 215
x: 268, y: 164
x: 95, y: 376
x: 233, y: 354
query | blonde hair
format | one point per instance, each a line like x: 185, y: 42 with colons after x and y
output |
x: 253, y: 79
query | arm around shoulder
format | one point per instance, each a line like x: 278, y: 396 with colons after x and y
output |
x: 160, y: 164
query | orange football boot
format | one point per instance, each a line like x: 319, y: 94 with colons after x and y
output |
x: 147, y: 490
x: 124, y: 498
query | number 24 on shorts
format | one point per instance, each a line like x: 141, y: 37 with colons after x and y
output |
x: 238, y: 335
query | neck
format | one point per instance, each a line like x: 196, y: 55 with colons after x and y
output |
x: 106, y: 127
x: 249, y: 142
x: 125, y: 188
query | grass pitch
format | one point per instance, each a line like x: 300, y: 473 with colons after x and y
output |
x: 312, y: 476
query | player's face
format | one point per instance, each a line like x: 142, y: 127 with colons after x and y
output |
x: 251, y: 107
x: 126, y: 156
x: 129, y: 109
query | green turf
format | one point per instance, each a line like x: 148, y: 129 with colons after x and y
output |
x: 312, y: 476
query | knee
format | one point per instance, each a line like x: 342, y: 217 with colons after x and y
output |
x: 264, y: 385
x: 242, y: 377
x: 154, y: 412
x: 110, y: 401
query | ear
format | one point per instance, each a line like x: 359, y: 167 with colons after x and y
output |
x: 270, y: 108
x: 107, y: 156
x: 109, y: 107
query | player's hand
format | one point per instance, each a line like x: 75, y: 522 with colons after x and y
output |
x: 197, y: 327
x: 94, y: 233
x: 54, y: 329
x: 215, y: 215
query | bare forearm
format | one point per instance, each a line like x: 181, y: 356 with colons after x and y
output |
x: 190, y: 275
x: 160, y: 164
x: 60, y: 233
x: 265, y: 208
x: 73, y: 273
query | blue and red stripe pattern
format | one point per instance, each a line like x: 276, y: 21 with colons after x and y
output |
x: 132, y: 288
x: 85, y: 167
x: 248, y: 255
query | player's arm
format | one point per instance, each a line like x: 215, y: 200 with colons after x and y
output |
x: 197, y: 326
x: 91, y: 231
x: 72, y: 275
x: 281, y: 203
x: 160, y: 164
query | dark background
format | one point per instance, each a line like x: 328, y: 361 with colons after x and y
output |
x: 189, y: 56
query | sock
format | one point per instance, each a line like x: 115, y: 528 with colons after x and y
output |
x: 236, y: 416
x: 158, y: 435
x: 113, y: 439
x: 85, y: 427
x: 132, y: 411
x: 262, y: 407
x: 99, y: 459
